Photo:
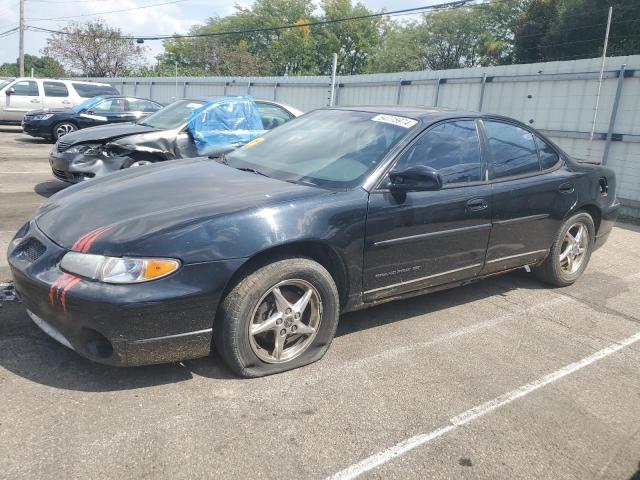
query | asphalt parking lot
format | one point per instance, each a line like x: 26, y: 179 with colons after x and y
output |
x: 505, y: 378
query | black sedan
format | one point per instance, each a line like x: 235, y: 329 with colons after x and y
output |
x: 257, y: 254
x: 162, y: 136
x: 103, y: 110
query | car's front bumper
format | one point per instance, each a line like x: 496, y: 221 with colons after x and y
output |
x: 74, y: 167
x: 166, y: 320
x: 37, y: 128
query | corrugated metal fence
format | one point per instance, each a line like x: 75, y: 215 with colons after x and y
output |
x: 558, y: 98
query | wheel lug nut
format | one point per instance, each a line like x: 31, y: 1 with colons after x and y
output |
x: 294, y: 328
x: 283, y: 332
x: 288, y: 310
x: 279, y: 321
x: 296, y: 316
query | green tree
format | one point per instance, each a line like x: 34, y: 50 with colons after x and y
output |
x: 570, y: 29
x: 45, y: 67
x: 354, y: 41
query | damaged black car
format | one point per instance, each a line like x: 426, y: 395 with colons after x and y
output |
x: 164, y: 135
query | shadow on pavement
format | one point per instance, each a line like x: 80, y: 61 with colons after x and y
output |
x: 28, y: 352
x: 34, y: 140
x: 46, y: 189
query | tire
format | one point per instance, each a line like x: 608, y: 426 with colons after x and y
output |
x: 561, y: 272
x: 252, y: 305
x: 61, y: 129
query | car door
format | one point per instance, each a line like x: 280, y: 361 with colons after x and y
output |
x: 421, y: 239
x: 25, y: 95
x: 56, y: 95
x: 530, y: 195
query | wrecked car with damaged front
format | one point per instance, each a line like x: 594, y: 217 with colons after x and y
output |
x: 171, y: 133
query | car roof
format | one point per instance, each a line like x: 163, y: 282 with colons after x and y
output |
x: 416, y: 113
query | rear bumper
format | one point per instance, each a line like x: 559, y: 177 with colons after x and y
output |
x: 167, y: 320
x: 608, y: 220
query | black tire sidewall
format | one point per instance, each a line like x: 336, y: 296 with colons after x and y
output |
x: 562, y: 277
x: 232, y: 324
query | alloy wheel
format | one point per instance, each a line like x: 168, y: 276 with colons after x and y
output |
x: 574, y: 247
x: 64, y: 128
x: 285, y: 321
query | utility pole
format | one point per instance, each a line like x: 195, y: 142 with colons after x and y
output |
x: 604, y: 59
x: 21, y: 54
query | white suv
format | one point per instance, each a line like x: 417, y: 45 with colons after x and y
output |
x: 21, y: 95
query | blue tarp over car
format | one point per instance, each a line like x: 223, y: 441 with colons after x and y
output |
x: 228, y: 122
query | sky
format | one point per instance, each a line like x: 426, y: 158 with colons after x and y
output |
x: 161, y: 19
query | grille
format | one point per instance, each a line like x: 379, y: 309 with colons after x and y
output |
x: 62, y: 175
x: 62, y: 146
x: 32, y: 250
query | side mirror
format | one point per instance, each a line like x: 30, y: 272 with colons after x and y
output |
x: 91, y: 111
x: 415, y: 179
x: 10, y: 91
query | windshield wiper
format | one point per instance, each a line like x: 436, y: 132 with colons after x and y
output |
x: 252, y: 170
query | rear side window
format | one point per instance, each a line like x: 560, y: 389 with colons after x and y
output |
x: 453, y: 149
x: 139, y: 105
x: 111, y: 105
x: 26, y: 88
x: 272, y: 116
x: 55, y: 89
x: 87, y: 90
x: 513, y: 150
x: 548, y: 156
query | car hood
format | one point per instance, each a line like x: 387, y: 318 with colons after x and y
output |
x: 106, y: 133
x: 51, y: 110
x: 190, y: 209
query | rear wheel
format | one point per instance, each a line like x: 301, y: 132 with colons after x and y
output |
x: 63, y: 128
x: 281, y: 316
x: 570, y: 252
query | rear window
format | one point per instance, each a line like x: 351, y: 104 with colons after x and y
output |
x: 87, y: 90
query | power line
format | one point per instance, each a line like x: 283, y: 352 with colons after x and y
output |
x: 105, y: 13
x: 442, y: 6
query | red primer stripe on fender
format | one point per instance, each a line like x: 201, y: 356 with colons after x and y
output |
x: 89, y: 241
x: 66, y: 288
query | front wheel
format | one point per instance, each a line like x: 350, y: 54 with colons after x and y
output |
x: 279, y: 317
x: 570, y: 251
x: 63, y: 128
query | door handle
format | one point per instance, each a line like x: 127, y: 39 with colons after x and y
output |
x: 566, y: 188
x: 66, y: 102
x: 35, y: 100
x: 477, y: 204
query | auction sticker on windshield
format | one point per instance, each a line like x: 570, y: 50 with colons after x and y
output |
x: 395, y: 120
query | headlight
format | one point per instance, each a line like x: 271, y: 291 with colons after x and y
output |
x: 86, y: 149
x: 42, y: 116
x: 118, y: 269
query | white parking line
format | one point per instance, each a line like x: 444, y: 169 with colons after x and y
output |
x: 476, y: 412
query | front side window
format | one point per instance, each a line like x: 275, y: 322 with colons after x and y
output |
x: 55, y: 89
x: 512, y: 149
x: 26, y: 88
x: 110, y: 105
x: 453, y: 149
x: 325, y: 148
x: 548, y: 156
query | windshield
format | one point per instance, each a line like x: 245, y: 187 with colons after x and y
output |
x: 87, y: 104
x: 326, y: 148
x: 4, y: 83
x: 172, y: 116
